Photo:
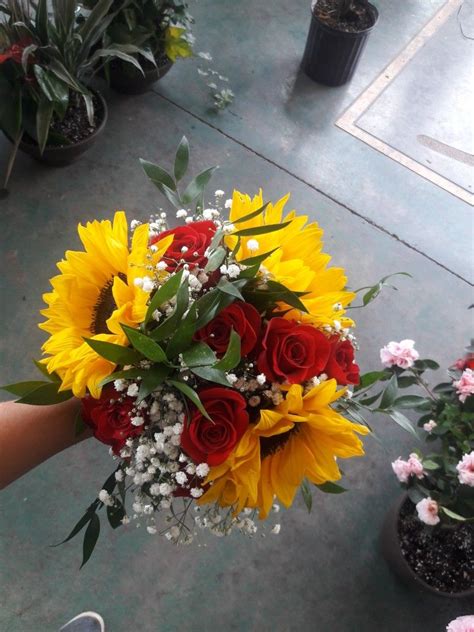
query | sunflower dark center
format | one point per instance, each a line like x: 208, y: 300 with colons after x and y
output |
x: 271, y: 445
x: 104, y: 307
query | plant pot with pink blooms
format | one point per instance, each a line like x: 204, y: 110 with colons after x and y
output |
x: 428, y: 533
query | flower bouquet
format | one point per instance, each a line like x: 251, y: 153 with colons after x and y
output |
x: 213, y: 358
x: 435, y: 517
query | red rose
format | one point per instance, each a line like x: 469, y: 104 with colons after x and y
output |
x: 464, y: 363
x: 194, y: 238
x: 243, y: 318
x: 15, y: 52
x: 212, y: 441
x: 292, y: 353
x: 341, y: 364
x: 111, y: 418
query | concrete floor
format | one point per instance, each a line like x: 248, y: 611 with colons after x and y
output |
x: 323, y: 573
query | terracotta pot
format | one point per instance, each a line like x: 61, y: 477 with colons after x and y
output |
x: 390, y: 546
x: 65, y: 155
x: 127, y: 79
x: 331, y: 56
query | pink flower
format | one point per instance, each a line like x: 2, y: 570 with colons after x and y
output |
x: 428, y: 511
x: 430, y: 425
x: 465, y: 469
x: 465, y: 385
x: 462, y: 624
x: 405, y: 469
x: 401, y: 354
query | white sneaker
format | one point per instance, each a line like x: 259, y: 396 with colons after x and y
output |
x: 85, y: 622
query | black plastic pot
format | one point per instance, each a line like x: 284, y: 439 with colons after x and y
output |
x: 127, y: 79
x: 390, y: 546
x: 65, y: 155
x: 331, y: 56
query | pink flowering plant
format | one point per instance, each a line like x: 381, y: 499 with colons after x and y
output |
x: 440, y: 478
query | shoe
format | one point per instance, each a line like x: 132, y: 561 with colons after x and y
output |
x: 85, y: 622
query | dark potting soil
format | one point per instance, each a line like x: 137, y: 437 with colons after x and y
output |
x: 357, y: 19
x: 75, y: 125
x: 443, y: 558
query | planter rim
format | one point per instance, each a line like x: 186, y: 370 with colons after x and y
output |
x: 350, y: 35
x: 79, y: 143
x: 456, y: 595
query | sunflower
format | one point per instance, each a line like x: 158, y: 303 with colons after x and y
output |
x: 301, y: 438
x: 298, y: 263
x: 92, y: 297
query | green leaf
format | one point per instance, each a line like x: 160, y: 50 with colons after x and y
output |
x: 23, y: 388
x: 114, y: 353
x: 27, y: 51
x: 181, y: 160
x: 56, y: 67
x: 307, y: 495
x: 191, y: 395
x: 330, y: 487
x: 368, y: 401
x: 428, y: 464
x: 89, y: 108
x: 45, y: 395
x: 426, y: 364
x: 402, y: 421
x: 211, y: 375
x: 43, y: 121
x: 258, y: 259
x: 251, y: 215
x: 216, y: 259
x: 389, y: 393
x: 151, y: 379
x: 260, y: 230
x: 158, y: 175
x: 197, y: 185
x: 200, y: 354
x: 411, y: 401
x: 89, y: 26
x: 145, y: 345
x: 80, y: 525
x: 168, y: 327
x: 216, y: 239
x: 167, y: 291
x: 370, y: 378
x: 232, y: 355
x: 452, y: 514
x: 170, y: 195
x: 115, y: 514
x: 41, y: 19
x: 275, y: 293
x: 90, y: 538
x: 404, y: 381
x: 230, y: 288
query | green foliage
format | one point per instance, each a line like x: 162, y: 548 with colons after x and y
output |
x: 61, y: 52
x: 453, y: 434
x: 167, y: 184
x: 371, y: 292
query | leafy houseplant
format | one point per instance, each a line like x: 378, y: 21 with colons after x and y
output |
x: 161, y: 27
x: 45, y: 69
x: 429, y: 533
x: 337, y: 36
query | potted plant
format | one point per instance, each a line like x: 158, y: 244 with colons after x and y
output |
x: 47, y: 107
x: 428, y: 534
x: 337, y: 36
x: 160, y: 27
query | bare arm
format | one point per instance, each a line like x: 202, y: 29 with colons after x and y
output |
x: 31, y: 434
